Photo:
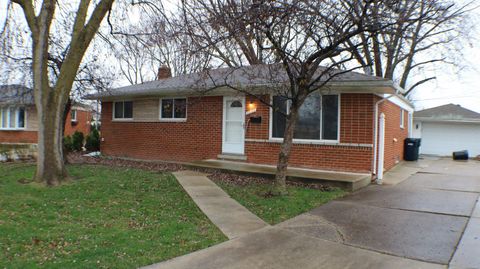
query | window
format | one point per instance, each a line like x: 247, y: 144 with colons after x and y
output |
x: 317, y: 118
x: 123, y: 110
x: 402, y: 118
x: 73, y: 114
x: 12, y: 118
x: 173, y: 109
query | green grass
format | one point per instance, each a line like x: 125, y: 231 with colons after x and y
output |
x: 105, y: 218
x: 278, y: 208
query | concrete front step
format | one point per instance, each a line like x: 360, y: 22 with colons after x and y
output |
x: 344, y: 180
x: 231, y: 157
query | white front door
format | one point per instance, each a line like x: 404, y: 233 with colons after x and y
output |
x: 233, y: 125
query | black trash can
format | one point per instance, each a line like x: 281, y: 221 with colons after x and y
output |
x: 411, y: 149
x: 460, y: 155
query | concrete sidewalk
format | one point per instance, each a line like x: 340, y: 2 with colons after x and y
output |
x: 278, y: 248
x: 227, y: 214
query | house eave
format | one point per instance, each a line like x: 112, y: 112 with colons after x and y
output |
x: 373, y: 87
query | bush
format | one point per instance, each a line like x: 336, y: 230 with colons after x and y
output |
x: 77, y: 141
x: 67, y: 143
x: 93, y: 141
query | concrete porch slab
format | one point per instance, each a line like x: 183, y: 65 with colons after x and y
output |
x: 348, y: 181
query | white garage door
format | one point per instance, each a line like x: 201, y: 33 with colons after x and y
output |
x: 444, y: 138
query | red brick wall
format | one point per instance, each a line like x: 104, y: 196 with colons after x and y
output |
x: 18, y: 136
x: 82, y: 124
x: 344, y: 158
x: 357, y: 113
x: 394, y: 135
x: 356, y: 127
x: 200, y: 137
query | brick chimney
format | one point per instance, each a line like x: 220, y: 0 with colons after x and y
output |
x: 164, y: 72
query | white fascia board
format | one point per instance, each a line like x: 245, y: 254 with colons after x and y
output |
x: 420, y: 119
x: 399, y: 101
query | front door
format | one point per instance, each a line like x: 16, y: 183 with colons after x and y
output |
x: 233, y: 125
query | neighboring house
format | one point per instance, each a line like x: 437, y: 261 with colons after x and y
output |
x: 448, y: 128
x: 191, y: 117
x: 79, y: 119
x: 18, y: 116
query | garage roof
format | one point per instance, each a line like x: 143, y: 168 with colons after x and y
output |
x: 450, y: 112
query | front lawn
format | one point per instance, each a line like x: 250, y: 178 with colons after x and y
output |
x: 253, y: 194
x: 105, y: 218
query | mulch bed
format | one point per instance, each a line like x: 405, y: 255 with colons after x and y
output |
x: 78, y: 158
x: 213, y: 174
x: 244, y: 180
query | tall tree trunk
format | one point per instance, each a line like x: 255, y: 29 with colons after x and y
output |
x: 50, y: 165
x: 280, y: 185
x: 51, y: 101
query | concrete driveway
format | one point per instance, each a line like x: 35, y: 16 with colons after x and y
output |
x: 426, y: 221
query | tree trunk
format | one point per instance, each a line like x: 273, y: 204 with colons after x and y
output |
x: 50, y: 165
x: 280, y: 185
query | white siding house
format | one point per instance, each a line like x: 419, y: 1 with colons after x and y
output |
x: 446, y: 129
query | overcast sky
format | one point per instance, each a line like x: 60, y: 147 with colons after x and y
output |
x: 462, y: 88
x: 450, y: 87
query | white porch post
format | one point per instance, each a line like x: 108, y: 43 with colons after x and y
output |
x: 381, y: 148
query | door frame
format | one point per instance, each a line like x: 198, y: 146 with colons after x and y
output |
x: 225, y: 99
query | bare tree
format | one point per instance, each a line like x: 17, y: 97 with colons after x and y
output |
x: 143, y: 47
x: 214, y: 27
x: 51, y: 97
x: 422, y: 34
x: 308, y: 39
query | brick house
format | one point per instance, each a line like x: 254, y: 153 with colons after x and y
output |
x: 18, y: 116
x: 193, y: 117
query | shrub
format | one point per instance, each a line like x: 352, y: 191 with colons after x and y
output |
x: 93, y: 141
x: 77, y: 141
x: 67, y: 143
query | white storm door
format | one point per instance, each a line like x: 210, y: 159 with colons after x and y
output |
x: 233, y: 125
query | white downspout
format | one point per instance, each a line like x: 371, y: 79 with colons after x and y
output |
x: 375, y: 138
x: 381, y: 148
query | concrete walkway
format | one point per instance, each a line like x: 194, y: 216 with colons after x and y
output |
x: 227, y: 214
x: 429, y: 220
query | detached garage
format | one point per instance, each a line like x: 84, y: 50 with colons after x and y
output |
x: 447, y: 128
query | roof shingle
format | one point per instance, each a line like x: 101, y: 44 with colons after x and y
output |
x: 449, y: 112
x: 242, y: 77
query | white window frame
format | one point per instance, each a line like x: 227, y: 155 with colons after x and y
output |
x: 71, y: 115
x: 402, y: 118
x: 113, y: 111
x: 312, y: 141
x: 17, y: 110
x: 173, y: 110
